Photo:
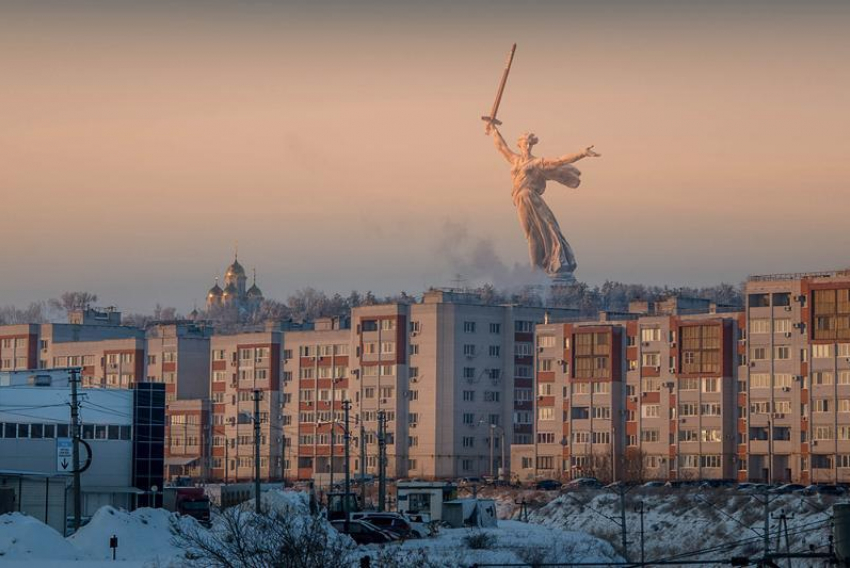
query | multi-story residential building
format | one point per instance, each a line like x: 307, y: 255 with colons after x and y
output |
x: 187, y: 435
x: 241, y: 364
x: 443, y: 373
x: 636, y: 396
x: 795, y: 383
x: 317, y: 380
x: 178, y: 354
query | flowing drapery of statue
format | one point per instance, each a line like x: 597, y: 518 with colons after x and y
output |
x: 547, y: 247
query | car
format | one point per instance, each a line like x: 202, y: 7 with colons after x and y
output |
x: 470, y: 481
x: 716, y: 484
x: 653, y: 485
x: 548, y: 485
x: 829, y: 490
x: 788, y: 488
x: 753, y: 487
x: 583, y: 483
x: 363, y: 532
x: 392, y: 522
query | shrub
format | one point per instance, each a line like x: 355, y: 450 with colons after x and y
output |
x: 479, y: 540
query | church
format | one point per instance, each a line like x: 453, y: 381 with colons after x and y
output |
x: 234, y: 294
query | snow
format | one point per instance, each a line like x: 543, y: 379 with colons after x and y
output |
x: 25, y: 538
x: 689, y: 520
x: 512, y: 542
x: 135, y: 531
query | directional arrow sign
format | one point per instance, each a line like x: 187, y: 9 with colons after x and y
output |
x: 64, y: 455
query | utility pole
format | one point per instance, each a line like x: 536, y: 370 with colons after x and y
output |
x: 492, y: 441
x: 73, y: 379
x: 622, y: 490
x: 362, y: 463
x: 382, y: 460
x: 642, y: 555
x: 346, y: 405
x: 333, y: 428
x: 766, y: 523
x: 257, y: 397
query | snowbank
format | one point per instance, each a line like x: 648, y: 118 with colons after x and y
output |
x: 25, y: 538
x: 143, y: 535
x: 510, y: 542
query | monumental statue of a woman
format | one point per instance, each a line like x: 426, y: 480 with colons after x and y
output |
x: 547, y: 247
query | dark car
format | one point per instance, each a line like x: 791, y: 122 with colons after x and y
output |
x: 583, y: 483
x: 830, y: 490
x: 548, y: 485
x: 788, y: 488
x: 364, y: 533
x: 392, y: 522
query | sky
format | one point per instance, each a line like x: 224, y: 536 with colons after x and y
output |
x: 340, y: 143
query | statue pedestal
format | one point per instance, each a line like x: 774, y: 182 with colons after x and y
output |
x: 563, y: 279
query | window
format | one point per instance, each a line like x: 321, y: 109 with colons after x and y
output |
x: 580, y: 437
x: 468, y: 396
x: 781, y: 352
x: 414, y: 349
x: 820, y: 405
x: 831, y: 314
x: 650, y: 334
x: 469, y: 372
x: 413, y: 395
x: 822, y: 378
x: 546, y: 341
x: 651, y: 360
x: 581, y: 388
x: 710, y: 409
x: 782, y: 325
x: 387, y: 347
x: 522, y: 395
x: 521, y: 326
x: 415, y: 326
x: 495, y: 351
x: 491, y: 396
x: 545, y: 413
x: 650, y: 411
x: 387, y: 324
x: 649, y: 435
x: 522, y: 349
x: 688, y: 409
x: 758, y: 353
x: 469, y: 350
x: 522, y: 371
x: 370, y: 347
x: 711, y: 385
x: 760, y: 325
x: 468, y: 418
x: 495, y: 328
x: 601, y: 437
x: 468, y: 441
x: 545, y: 365
x: 822, y: 433
x: 601, y: 388
x: 688, y: 436
x: 387, y: 370
x: 602, y: 412
x: 469, y: 327
x: 782, y: 380
x: 689, y: 384
x: 711, y: 435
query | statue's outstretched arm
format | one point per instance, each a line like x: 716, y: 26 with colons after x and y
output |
x: 570, y: 158
x: 501, y: 145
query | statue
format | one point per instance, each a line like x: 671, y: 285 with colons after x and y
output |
x: 547, y: 247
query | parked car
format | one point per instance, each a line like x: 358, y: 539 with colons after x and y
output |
x: 716, y: 483
x: 824, y: 489
x: 653, y: 484
x: 753, y: 487
x: 548, y: 485
x: 392, y: 522
x: 363, y: 532
x: 583, y: 483
x: 788, y: 488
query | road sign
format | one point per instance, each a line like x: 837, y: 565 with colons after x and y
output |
x: 64, y: 455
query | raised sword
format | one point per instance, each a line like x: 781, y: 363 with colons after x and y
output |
x: 492, y: 118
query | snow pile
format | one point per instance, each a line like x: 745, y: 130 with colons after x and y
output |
x: 688, y: 522
x: 143, y: 535
x: 25, y: 538
x: 509, y: 543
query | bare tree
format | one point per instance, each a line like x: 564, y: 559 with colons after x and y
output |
x: 70, y: 301
x: 36, y: 312
x: 239, y: 538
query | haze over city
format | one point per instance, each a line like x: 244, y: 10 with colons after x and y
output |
x: 341, y: 145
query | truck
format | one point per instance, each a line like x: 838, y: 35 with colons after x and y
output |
x: 190, y: 501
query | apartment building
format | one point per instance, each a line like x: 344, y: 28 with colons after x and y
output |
x: 317, y: 378
x: 187, y: 438
x: 178, y: 355
x: 644, y: 395
x: 241, y: 364
x: 795, y: 387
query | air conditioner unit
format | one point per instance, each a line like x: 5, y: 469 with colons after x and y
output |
x: 645, y: 343
x: 798, y: 377
x: 672, y: 370
x: 414, y: 333
x: 786, y: 389
x: 540, y: 350
x: 787, y: 308
x: 644, y: 393
x: 633, y: 398
x: 672, y: 344
x: 561, y: 362
x: 752, y: 363
x: 814, y: 442
x: 787, y: 334
x: 414, y: 379
x: 385, y: 401
x: 657, y: 369
x: 797, y: 325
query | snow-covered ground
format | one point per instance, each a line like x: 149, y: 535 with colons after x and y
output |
x: 721, y: 523
x: 146, y: 540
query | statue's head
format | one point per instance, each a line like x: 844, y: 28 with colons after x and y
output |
x: 527, y: 140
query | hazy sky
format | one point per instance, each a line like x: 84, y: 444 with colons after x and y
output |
x: 340, y: 143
